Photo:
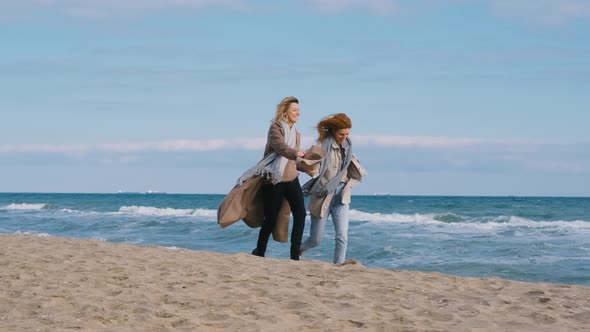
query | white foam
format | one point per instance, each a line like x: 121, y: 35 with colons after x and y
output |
x: 392, y: 217
x: 25, y: 206
x: 32, y: 233
x: 205, y: 213
x: 155, y: 211
x: 499, y: 222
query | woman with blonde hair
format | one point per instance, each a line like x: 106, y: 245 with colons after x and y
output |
x: 279, y: 177
x: 330, y: 188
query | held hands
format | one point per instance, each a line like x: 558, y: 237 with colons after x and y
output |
x: 311, y: 164
x: 300, y: 155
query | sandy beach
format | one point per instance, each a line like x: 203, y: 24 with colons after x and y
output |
x: 49, y: 284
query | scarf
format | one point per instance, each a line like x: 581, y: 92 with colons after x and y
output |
x: 273, y: 165
x: 314, y: 186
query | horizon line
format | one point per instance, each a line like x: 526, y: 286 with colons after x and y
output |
x: 370, y: 195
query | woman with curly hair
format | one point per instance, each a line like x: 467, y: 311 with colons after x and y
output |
x: 330, y: 189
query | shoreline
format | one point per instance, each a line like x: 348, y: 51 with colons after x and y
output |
x: 49, y: 283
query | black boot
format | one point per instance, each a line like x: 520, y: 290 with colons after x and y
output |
x: 295, y: 252
x: 255, y: 252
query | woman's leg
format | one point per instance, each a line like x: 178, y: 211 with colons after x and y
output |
x: 294, y: 196
x: 339, y: 213
x: 272, y: 197
x: 340, y: 219
x: 316, y: 233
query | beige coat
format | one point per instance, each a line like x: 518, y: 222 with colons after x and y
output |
x: 275, y: 141
x: 244, y: 202
x: 318, y: 205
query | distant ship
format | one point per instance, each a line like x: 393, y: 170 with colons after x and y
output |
x: 150, y: 192
x: 127, y: 192
x: 154, y: 192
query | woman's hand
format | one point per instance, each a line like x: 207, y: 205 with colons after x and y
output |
x: 300, y: 153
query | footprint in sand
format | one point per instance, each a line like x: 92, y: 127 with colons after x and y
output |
x: 494, y: 286
x: 328, y: 283
x: 535, y: 293
x: 435, y: 315
x: 297, y: 305
x: 356, y: 324
x: 467, y: 311
x: 260, y: 292
x: 515, y: 309
x: 350, y: 262
x: 582, y: 317
x: 543, y: 319
x: 181, y: 323
x: 215, y: 316
x: 163, y: 314
x: 257, y: 278
x: 15, y: 293
x: 115, y: 292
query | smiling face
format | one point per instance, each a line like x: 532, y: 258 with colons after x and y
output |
x: 341, y: 134
x: 292, y: 113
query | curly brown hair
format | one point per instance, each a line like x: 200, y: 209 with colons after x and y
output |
x: 329, y: 125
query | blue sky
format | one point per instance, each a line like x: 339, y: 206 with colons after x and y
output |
x: 447, y: 97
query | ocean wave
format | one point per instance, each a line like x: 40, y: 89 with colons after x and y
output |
x: 25, y: 206
x: 468, y: 262
x: 32, y: 233
x: 156, y: 211
x: 389, y: 217
x: 70, y: 211
x: 451, y: 219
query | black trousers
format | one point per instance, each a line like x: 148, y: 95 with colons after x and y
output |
x: 273, y: 195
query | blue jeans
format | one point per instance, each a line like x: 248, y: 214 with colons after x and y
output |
x: 339, y: 213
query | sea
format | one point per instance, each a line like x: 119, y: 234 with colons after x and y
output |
x: 535, y: 239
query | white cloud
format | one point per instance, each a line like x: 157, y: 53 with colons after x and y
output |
x: 43, y: 148
x: 120, y: 147
x: 378, y: 7
x: 164, y: 146
x: 538, y: 11
x: 188, y: 145
x: 258, y: 143
x: 105, y: 8
x: 417, y: 141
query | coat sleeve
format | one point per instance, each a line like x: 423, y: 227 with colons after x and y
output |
x: 310, y: 164
x: 276, y: 139
x: 356, y: 170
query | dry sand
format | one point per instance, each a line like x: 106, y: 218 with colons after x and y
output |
x: 49, y: 284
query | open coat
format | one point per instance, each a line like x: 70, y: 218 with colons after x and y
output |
x: 244, y: 201
x: 318, y: 205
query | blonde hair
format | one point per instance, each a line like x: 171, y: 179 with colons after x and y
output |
x: 283, y: 106
x: 329, y: 125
